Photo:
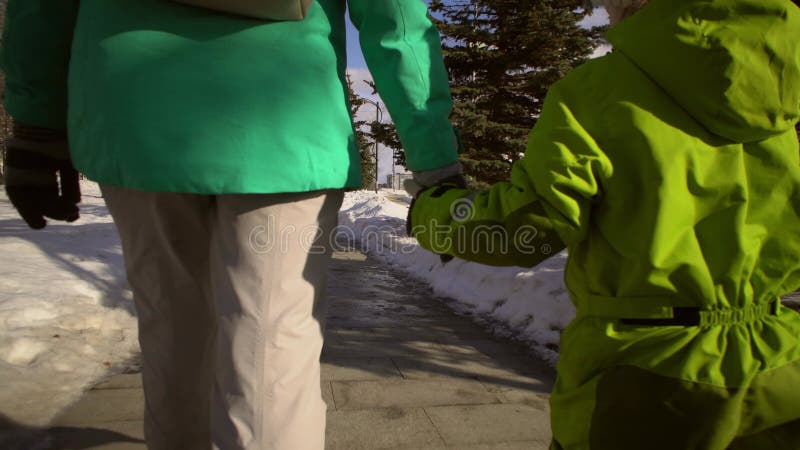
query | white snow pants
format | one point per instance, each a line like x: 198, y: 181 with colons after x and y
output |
x: 228, y: 290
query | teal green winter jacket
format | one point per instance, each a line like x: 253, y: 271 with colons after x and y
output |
x: 670, y: 170
x: 159, y: 96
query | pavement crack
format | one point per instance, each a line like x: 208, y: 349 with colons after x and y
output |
x: 402, y: 375
x: 438, y: 433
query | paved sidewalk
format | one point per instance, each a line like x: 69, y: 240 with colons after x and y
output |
x: 400, y: 371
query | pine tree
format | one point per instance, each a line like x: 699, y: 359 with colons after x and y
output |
x: 365, y: 149
x: 502, y: 56
x: 385, y: 133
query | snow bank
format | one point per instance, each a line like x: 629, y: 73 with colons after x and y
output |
x: 531, y: 305
x: 66, y: 314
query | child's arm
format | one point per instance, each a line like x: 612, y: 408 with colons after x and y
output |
x: 504, y: 226
x: 543, y: 208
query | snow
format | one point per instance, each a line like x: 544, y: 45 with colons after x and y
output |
x: 67, y: 319
x: 529, y: 304
x: 66, y: 314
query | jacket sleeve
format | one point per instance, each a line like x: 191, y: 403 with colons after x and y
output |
x: 35, y: 58
x: 542, y: 209
x: 402, y: 49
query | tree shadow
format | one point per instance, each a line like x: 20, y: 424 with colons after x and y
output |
x: 70, y: 245
x: 14, y: 436
x: 377, y: 313
x: 69, y: 438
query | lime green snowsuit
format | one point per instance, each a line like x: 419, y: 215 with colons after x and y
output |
x: 670, y: 171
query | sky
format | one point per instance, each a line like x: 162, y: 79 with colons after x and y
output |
x: 357, y: 68
x: 355, y: 59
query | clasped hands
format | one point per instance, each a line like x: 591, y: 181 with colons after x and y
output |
x: 451, y: 176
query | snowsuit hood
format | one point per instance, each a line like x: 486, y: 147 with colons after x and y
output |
x: 730, y: 65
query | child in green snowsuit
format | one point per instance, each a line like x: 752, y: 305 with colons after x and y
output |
x: 669, y: 169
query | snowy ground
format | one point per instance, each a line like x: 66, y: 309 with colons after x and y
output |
x: 67, y: 320
x: 531, y: 305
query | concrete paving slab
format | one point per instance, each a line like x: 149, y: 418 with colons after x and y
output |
x: 327, y: 395
x: 347, y: 333
x: 108, y: 436
x: 107, y: 405
x: 520, y: 445
x: 15, y: 436
x: 399, y: 373
x: 123, y: 381
x: 485, y: 347
x: 504, y: 371
x: 441, y: 333
x: 354, y: 369
x: 409, y: 393
x: 523, y: 368
x: 536, y: 399
x: 391, y: 428
x: 490, y: 424
x: 380, y: 318
x: 371, y: 346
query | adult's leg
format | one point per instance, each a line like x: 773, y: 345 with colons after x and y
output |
x: 269, y: 263
x: 165, y: 241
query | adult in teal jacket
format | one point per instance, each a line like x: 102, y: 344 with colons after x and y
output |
x: 265, y: 102
x: 215, y: 138
x: 669, y: 169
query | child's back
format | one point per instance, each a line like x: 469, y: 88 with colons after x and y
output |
x: 670, y: 169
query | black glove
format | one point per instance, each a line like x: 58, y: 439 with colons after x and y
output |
x: 37, y: 165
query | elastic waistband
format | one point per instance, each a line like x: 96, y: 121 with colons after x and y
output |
x: 655, y: 312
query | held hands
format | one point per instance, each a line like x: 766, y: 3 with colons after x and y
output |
x: 40, y: 179
x: 423, y: 180
x: 444, y: 177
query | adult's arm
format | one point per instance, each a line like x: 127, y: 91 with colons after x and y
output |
x: 403, y: 51
x: 35, y: 59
